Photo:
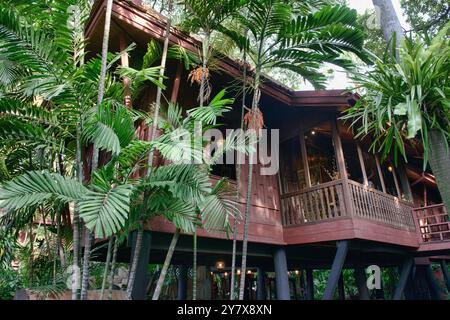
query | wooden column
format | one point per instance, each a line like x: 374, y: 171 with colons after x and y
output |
x: 336, y: 269
x: 341, y: 287
x: 446, y: 273
x: 361, y: 283
x: 362, y: 164
x: 176, y: 83
x: 182, y: 282
x: 142, y: 277
x: 342, y: 168
x: 380, y: 173
x: 281, y: 274
x: 261, y: 285
x: 404, y: 276
x: 425, y: 196
x: 125, y: 63
x: 309, y: 284
x: 305, y: 158
x: 404, y: 181
x: 338, y: 150
x: 204, y: 283
x: 397, y: 185
x: 433, y: 286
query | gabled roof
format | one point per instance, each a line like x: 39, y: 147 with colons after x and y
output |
x: 153, y: 24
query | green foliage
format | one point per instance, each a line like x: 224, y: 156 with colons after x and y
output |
x: 10, y: 282
x: 35, y: 187
x: 154, y: 54
x: 403, y: 98
x: 282, y: 37
x: 374, y: 41
x: 426, y: 17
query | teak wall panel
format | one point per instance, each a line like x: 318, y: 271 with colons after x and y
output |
x: 265, y: 192
x: 338, y: 229
x: 374, y: 231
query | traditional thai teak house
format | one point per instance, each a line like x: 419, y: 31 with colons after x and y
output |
x: 333, y: 205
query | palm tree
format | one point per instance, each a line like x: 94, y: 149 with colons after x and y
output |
x: 95, y: 153
x: 405, y: 101
x: 297, y: 40
x: 49, y: 101
x: 205, y: 17
x: 139, y: 236
x: 212, y: 204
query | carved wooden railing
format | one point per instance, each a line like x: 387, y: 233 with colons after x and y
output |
x: 375, y: 205
x: 433, y: 223
x: 321, y: 202
x: 345, y: 198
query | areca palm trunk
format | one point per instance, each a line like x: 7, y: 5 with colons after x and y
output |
x: 108, y: 260
x: 166, y: 265
x: 439, y: 159
x: 248, y: 199
x: 134, y: 264
x: 139, y: 236
x: 58, y: 244
x: 87, y: 251
x: 95, y: 153
x: 205, y: 49
x: 238, y: 182
x: 76, y: 276
x: 113, y: 267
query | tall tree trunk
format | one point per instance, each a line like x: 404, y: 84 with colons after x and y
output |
x: 194, y: 267
x: 166, y: 265
x: 439, y: 159
x: 134, y: 264
x: 108, y: 260
x: 135, y: 259
x: 248, y: 198
x: 205, y: 53
x: 76, y: 276
x: 389, y: 21
x: 88, y: 237
x: 113, y: 266
x: 238, y: 182
x: 95, y: 153
x: 58, y: 245
x: 30, y: 259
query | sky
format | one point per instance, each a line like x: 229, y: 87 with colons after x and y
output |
x: 340, y: 80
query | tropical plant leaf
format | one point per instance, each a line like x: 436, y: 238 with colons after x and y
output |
x: 36, y: 187
x: 105, y: 213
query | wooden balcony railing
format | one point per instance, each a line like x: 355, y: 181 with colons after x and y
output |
x: 375, y: 205
x: 345, y: 198
x: 321, y: 202
x: 433, y: 223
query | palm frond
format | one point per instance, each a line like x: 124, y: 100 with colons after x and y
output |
x: 36, y: 187
x: 105, y: 212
